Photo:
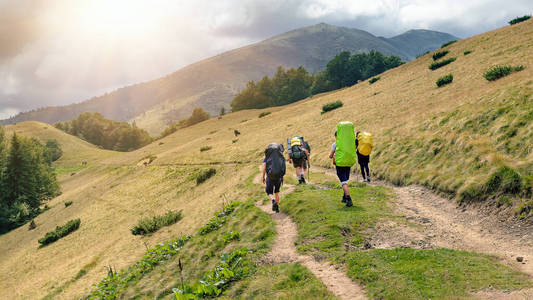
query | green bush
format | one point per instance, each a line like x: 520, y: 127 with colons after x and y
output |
x: 68, y: 203
x: 467, y: 52
x: 448, y: 43
x: 265, y: 113
x: 519, y: 19
x: 504, y: 180
x: 149, y: 225
x: 498, y: 72
x: 371, y: 81
x: 331, y: 106
x: 219, y: 219
x: 205, y: 148
x: 60, y: 232
x: 444, y: 80
x: 204, y: 175
x: 441, y: 63
x: 440, y: 54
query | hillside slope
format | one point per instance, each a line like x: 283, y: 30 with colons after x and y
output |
x: 450, y: 139
x: 213, y: 82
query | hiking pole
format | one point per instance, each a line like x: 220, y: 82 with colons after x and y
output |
x: 308, y: 171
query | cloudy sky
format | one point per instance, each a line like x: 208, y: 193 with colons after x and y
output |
x: 55, y: 52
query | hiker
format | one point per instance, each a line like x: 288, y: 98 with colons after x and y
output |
x: 343, y: 155
x: 274, y: 169
x: 298, y: 156
x: 363, y: 144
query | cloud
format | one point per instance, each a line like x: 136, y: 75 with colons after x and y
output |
x: 57, y: 52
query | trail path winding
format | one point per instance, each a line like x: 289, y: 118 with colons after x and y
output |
x: 284, y: 251
x: 440, y: 223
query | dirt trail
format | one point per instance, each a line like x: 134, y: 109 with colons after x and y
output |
x: 284, y: 251
x: 439, y: 222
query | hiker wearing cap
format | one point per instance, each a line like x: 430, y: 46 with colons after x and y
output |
x: 343, y: 154
x: 299, y: 154
x: 363, y: 144
x: 274, y: 169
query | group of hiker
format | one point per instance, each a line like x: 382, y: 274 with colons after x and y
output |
x: 348, y: 146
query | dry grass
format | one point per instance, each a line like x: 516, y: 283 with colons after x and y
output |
x: 114, y: 191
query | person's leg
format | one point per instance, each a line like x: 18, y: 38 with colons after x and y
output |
x: 367, y: 172
x: 277, y: 187
x: 269, y: 189
x: 362, y: 171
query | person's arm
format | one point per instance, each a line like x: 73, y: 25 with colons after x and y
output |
x: 264, y: 171
x: 307, y: 154
x: 332, y: 153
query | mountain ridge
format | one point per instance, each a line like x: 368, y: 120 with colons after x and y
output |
x: 213, y: 82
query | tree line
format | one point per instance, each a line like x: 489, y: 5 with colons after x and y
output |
x: 291, y: 85
x: 27, y: 178
x: 108, y: 134
x: 198, y: 115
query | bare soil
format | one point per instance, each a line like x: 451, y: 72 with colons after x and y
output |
x: 284, y: 251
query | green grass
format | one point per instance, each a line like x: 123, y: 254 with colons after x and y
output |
x: 264, y: 114
x: 205, y: 148
x: 429, y: 274
x: 149, y: 225
x: 284, y: 281
x: 59, y: 232
x: 498, y: 72
x: 467, y: 52
x: 440, y: 54
x: 373, y: 80
x: 442, y: 63
x: 331, y: 106
x: 519, y: 19
x: 68, y: 169
x: 328, y: 229
x: 204, y: 175
x: 444, y: 80
x: 448, y: 43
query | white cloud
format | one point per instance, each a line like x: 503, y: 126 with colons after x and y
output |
x: 63, y: 51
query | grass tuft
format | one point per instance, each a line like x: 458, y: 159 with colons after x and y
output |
x: 447, y: 79
x: 498, y: 72
x: 68, y: 203
x: 440, y: 54
x: 149, y: 225
x: 265, y: 113
x: 467, y: 52
x: 519, y: 19
x: 448, y: 43
x: 204, y: 175
x: 371, y: 81
x: 205, y: 148
x: 441, y: 63
x: 331, y: 106
x: 60, y: 232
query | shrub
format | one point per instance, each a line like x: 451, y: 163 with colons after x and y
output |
x: 440, y: 54
x: 444, y: 80
x: 467, y: 52
x: 265, y: 113
x: 60, y: 232
x: 498, y: 72
x: 519, y: 19
x: 204, y: 175
x: 68, y: 203
x: 205, y: 148
x: 504, y: 180
x: 448, y: 43
x: 234, y: 141
x: 441, y: 63
x: 371, y: 81
x: 219, y: 219
x: 331, y: 106
x: 149, y: 225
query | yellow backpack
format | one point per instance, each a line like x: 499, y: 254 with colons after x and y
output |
x: 365, y: 143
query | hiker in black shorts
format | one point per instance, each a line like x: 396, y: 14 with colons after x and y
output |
x: 274, y: 169
x: 298, y: 156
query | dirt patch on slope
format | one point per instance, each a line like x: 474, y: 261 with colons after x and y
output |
x: 284, y: 251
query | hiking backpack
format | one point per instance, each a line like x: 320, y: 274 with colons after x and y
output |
x: 365, y: 143
x: 345, y: 149
x: 275, y: 162
x: 296, y: 147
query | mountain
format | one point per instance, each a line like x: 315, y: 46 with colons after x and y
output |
x: 455, y: 139
x: 213, y: 82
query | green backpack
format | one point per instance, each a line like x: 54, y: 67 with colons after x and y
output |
x: 345, y: 150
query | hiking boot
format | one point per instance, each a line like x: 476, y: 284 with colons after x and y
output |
x: 303, y: 180
x: 368, y: 179
x: 343, y: 199
x: 275, y: 207
x: 349, y: 201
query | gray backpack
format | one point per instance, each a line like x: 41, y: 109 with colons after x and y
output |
x: 275, y: 162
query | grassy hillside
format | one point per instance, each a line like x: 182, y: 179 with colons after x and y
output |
x: 451, y: 138
x: 212, y: 83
